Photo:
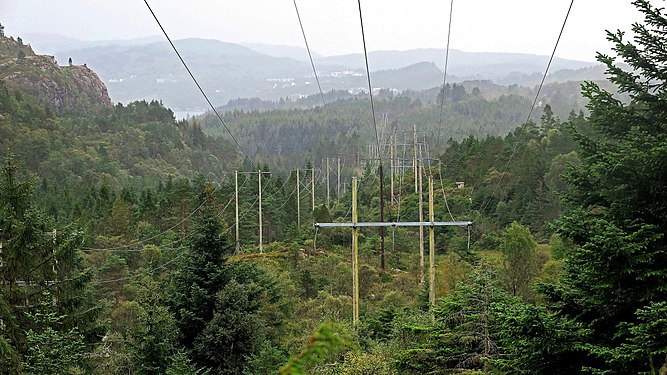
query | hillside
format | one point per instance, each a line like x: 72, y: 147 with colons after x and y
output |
x: 135, y: 244
x: 62, y: 88
x: 113, y: 146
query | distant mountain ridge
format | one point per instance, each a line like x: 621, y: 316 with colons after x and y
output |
x: 46, y: 43
x: 280, y: 50
x: 148, y: 69
x: 466, y: 65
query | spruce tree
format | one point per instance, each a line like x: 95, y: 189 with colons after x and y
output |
x: 216, y: 303
x: 618, y: 211
x: 38, y: 266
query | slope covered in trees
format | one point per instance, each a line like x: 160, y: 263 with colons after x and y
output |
x: 564, y: 272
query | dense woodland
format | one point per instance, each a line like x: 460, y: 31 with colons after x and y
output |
x: 119, y: 257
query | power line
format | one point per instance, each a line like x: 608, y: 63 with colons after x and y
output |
x: 324, y: 103
x: 139, y: 274
x: 530, y: 113
x: 377, y: 139
x: 127, y: 248
x: 368, y: 75
x: 224, y: 124
x: 286, y: 199
x: 442, y: 185
x: 444, y: 195
x: 444, y: 80
x: 140, y: 242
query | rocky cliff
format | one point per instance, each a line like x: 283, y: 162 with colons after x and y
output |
x: 63, y: 88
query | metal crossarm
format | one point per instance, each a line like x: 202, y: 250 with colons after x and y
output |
x: 397, y: 224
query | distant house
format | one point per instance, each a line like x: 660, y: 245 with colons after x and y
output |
x: 460, y: 184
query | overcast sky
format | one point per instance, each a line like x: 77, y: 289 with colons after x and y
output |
x: 332, y: 26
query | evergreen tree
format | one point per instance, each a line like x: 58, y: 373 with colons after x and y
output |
x: 548, y: 121
x: 34, y: 261
x: 618, y: 217
x: 215, y: 304
x: 466, y: 330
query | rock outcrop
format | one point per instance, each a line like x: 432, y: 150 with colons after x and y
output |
x: 63, y: 88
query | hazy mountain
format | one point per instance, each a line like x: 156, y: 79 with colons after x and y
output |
x: 466, y: 65
x: 293, y: 52
x: 141, y: 69
x: 417, y: 76
x: 152, y: 71
x: 45, y: 43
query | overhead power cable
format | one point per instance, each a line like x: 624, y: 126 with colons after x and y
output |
x: 530, y: 113
x: 140, y: 242
x: 324, y: 103
x: 444, y: 80
x: 442, y: 185
x: 224, y: 124
x: 368, y: 75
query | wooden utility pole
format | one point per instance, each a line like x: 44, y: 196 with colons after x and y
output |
x: 396, y: 161
x: 392, y: 165
x: 414, y: 163
x: 405, y: 136
x: 355, y: 225
x: 421, y: 227
x: 182, y: 220
x: 355, y: 256
x: 236, y: 201
x: 431, y: 245
x: 338, y: 184
x: 381, y: 216
x: 312, y: 188
x: 328, y: 193
x: 428, y: 154
x: 298, y: 200
x: 259, y: 182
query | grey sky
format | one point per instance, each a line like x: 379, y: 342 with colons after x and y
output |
x: 332, y: 27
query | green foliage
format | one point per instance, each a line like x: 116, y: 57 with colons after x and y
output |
x: 267, y: 361
x: 152, y: 342
x: 328, y: 341
x: 9, y: 358
x: 216, y: 304
x: 520, y: 264
x: 616, y: 276
x: 377, y: 361
x: 52, y: 349
x: 172, y: 299
x: 33, y: 263
x: 646, y: 338
x: 466, y: 331
x: 182, y: 365
x: 537, y: 341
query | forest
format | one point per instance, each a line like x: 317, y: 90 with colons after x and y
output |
x: 119, y: 254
